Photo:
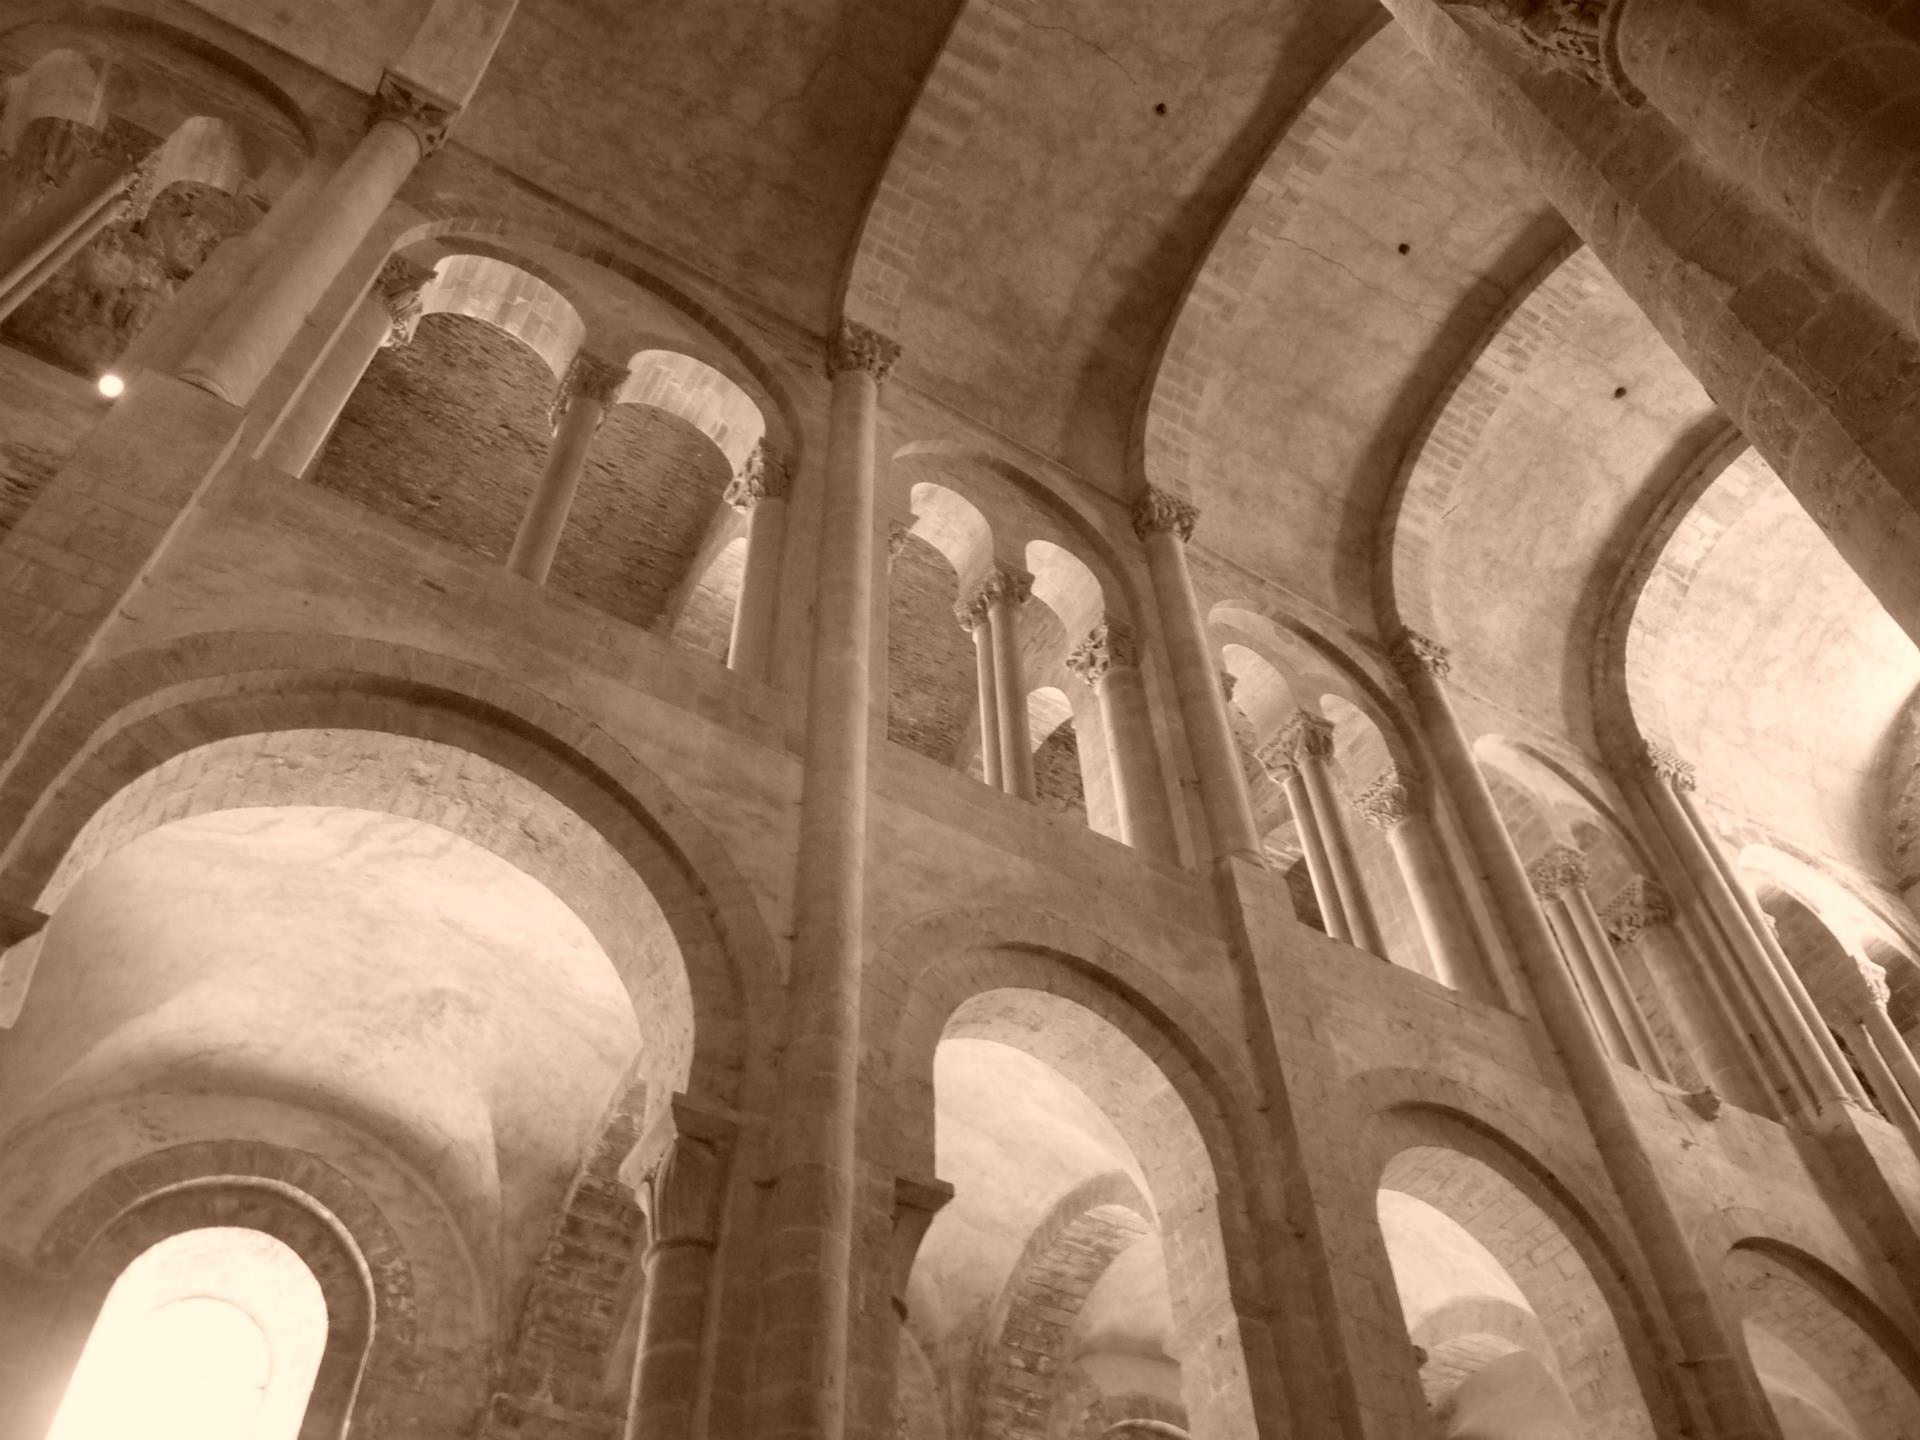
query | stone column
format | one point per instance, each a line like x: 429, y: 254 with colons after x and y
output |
x: 1560, y: 878
x: 683, y: 1164
x: 802, y: 1374
x: 760, y: 490
x: 976, y: 618
x: 1277, y: 759
x: 1891, y: 1045
x: 1712, y: 1356
x: 95, y: 193
x: 1308, y: 742
x: 1815, y: 1078
x: 1387, y: 804
x: 386, y: 315
x: 1164, y: 523
x: 1108, y: 661
x: 253, y: 332
x: 587, y: 391
x: 1005, y: 591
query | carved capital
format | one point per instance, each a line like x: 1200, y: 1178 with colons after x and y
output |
x: 399, y: 287
x: 1577, y: 36
x: 898, y: 533
x: 1663, y: 764
x: 974, y: 610
x: 1560, y: 869
x: 915, y: 1203
x: 1005, y: 583
x: 1157, y: 512
x: 143, y: 185
x: 763, y: 476
x: 1642, y: 904
x: 1306, y: 737
x: 1413, y: 654
x: 858, y: 347
x: 1387, y: 802
x: 404, y: 103
x: 588, y: 378
x: 681, y: 1169
x: 1874, y: 977
x: 1229, y: 682
x: 1109, y: 643
x: 1276, y: 758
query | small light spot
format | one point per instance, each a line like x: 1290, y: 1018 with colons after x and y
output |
x: 111, y: 385
x: 1405, y: 249
x: 1619, y: 392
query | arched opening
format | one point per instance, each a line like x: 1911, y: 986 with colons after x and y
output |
x: 212, y: 1334
x: 1514, y: 1338
x: 1059, y: 781
x: 386, y: 975
x: 1824, y: 1373
x: 1077, y: 1280
x: 934, y: 705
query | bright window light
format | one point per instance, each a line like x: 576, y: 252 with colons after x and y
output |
x: 212, y: 1334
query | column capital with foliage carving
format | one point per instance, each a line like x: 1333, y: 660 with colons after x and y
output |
x: 1578, y: 36
x: 1160, y: 512
x: 1110, y: 643
x: 400, y: 100
x: 860, y: 347
x: 399, y: 286
x: 1414, y: 654
x: 1664, y: 765
x: 1641, y: 905
x: 1388, y: 801
x: 1560, y: 869
x: 1306, y: 736
x: 588, y: 377
x: 763, y: 476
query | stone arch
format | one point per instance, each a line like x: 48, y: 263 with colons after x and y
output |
x: 686, y: 325
x: 376, y: 1331
x: 128, y: 716
x: 1505, y: 1153
x: 261, y: 106
x: 510, y: 296
x: 1143, y: 1055
x: 1851, y: 1359
x: 695, y: 392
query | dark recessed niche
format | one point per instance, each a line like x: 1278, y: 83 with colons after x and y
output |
x: 1405, y: 249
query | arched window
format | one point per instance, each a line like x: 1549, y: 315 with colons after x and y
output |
x: 212, y: 1334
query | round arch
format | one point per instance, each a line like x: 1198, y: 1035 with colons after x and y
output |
x: 1411, y: 1110
x: 375, y: 1330
x: 127, y: 717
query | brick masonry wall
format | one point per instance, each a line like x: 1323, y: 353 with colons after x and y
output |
x: 930, y: 661
x: 449, y: 435
x: 43, y: 413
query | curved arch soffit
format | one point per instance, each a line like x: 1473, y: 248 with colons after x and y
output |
x: 510, y: 298
x: 693, y: 391
x: 124, y: 719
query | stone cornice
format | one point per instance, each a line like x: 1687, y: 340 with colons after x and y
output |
x: 860, y: 347
x: 401, y: 101
x: 1158, y: 512
x: 1560, y: 869
x: 1111, y: 642
x: 1642, y: 904
x: 1413, y: 654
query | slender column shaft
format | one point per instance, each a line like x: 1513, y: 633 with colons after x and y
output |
x: 1313, y: 848
x: 253, y: 332
x: 1341, y: 857
x: 988, y: 694
x: 808, y: 1286
x: 1710, y: 1353
x: 1006, y: 592
x: 1163, y: 522
x: 92, y: 197
x: 1777, y: 959
x: 683, y: 1197
x: 587, y: 391
x: 1894, y: 1053
x: 1387, y: 805
x: 1109, y: 660
x: 386, y: 313
x: 1880, y: 1077
x: 1579, y: 961
x: 763, y: 486
x: 1812, y: 1078
x: 1642, y: 1049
